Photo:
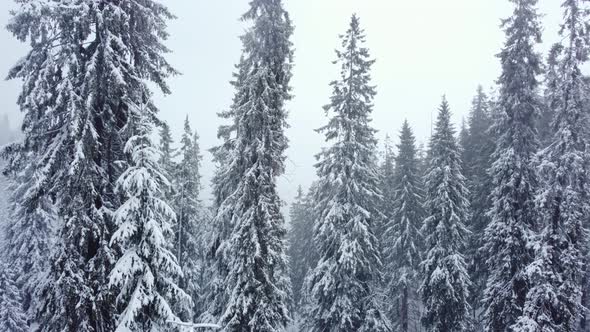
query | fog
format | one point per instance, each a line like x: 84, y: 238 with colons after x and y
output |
x: 424, y: 49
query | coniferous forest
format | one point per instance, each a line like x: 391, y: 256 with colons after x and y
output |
x: 104, y: 225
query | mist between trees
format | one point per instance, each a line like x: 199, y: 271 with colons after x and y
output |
x: 103, y: 228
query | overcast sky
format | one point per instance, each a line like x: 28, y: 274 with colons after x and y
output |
x: 424, y: 49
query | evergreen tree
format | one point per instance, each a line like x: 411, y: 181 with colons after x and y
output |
x: 87, y: 65
x: 509, y: 234
x: 145, y: 272
x: 387, y: 209
x: 445, y: 284
x: 387, y: 185
x: 552, y: 303
x: 188, y: 232
x: 28, y: 237
x: 464, y: 146
x: 167, y: 153
x: 477, y: 160
x: 551, y: 97
x: 224, y: 183
x: 12, y: 317
x: 342, y: 285
x: 422, y: 155
x: 250, y: 232
x: 496, y: 114
x: 4, y: 201
x: 302, y: 253
x: 403, y: 241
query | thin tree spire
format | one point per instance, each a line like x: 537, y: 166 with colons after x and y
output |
x: 341, y: 288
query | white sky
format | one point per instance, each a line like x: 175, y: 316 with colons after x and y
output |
x: 423, y: 49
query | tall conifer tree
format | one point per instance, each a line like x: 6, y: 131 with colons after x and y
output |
x: 167, y: 154
x: 12, y: 317
x: 251, y: 231
x: 224, y: 183
x: 403, y: 242
x: 147, y: 271
x: 477, y: 152
x: 464, y: 145
x: 387, y: 186
x: 545, y: 126
x: 445, y: 284
x: 511, y: 229
x: 189, y: 229
x: 89, y: 62
x: 28, y: 236
x: 552, y: 303
x: 342, y: 286
x: 302, y: 251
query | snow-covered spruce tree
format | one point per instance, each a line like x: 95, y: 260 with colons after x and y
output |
x: 477, y: 154
x: 553, y: 301
x: 445, y: 285
x: 251, y: 227
x: 496, y: 114
x: 167, y: 154
x: 545, y: 126
x: 5, y: 193
x: 386, y: 185
x: 298, y: 214
x: 187, y: 229
x: 224, y: 183
x: 403, y: 243
x: 52, y: 124
x: 463, y: 146
x: 12, y: 317
x: 386, y: 207
x: 86, y: 66
x: 422, y: 155
x: 342, y: 285
x: 27, y: 236
x: 146, y: 272
x: 508, y: 236
x: 302, y: 252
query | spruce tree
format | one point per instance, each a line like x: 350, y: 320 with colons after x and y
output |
x: 342, y: 286
x: 510, y: 232
x: 386, y: 185
x: 28, y: 236
x: 551, y: 97
x: 556, y: 273
x: 464, y: 146
x: 12, y: 317
x: 4, y: 199
x: 477, y: 160
x: 86, y: 68
x: 167, y: 154
x: 422, y: 155
x: 224, y: 183
x: 403, y: 242
x: 445, y: 285
x: 250, y: 232
x: 145, y: 274
x: 188, y: 227
x: 51, y: 126
x: 302, y: 252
